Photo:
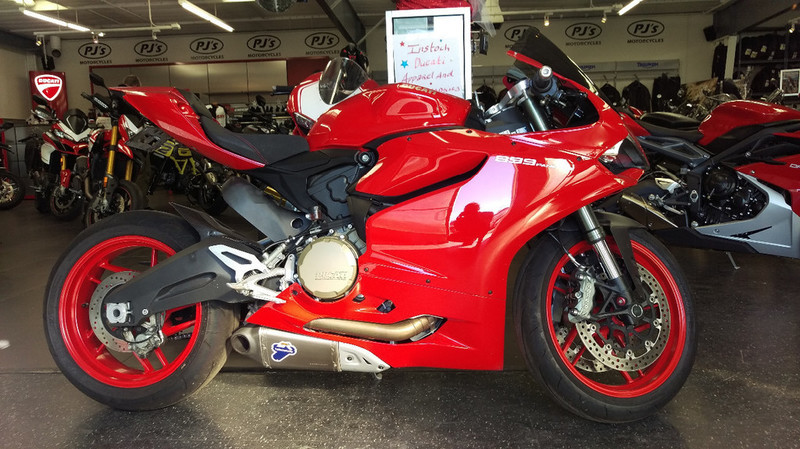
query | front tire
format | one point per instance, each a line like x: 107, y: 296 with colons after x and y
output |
x: 11, y: 190
x: 609, y: 369
x: 65, y: 204
x: 126, y: 197
x: 92, y: 356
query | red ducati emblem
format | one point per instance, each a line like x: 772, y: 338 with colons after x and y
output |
x: 48, y: 85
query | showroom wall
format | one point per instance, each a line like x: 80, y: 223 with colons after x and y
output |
x: 623, y: 49
x: 643, y: 46
x: 15, y: 100
x: 190, y: 62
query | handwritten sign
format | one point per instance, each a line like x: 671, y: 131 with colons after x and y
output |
x: 430, y: 48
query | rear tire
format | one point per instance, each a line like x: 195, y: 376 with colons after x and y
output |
x: 556, y: 351
x: 90, y: 357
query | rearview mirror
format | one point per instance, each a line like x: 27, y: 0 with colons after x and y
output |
x: 40, y: 100
x: 97, y: 80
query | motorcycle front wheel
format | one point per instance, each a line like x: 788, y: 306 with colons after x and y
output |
x: 65, y: 204
x: 126, y: 197
x: 97, y: 356
x: 11, y: 190
x: 623, y: 363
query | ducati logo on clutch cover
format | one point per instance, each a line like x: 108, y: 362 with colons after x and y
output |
x: 49, y: 86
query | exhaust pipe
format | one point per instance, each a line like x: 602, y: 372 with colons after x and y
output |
x: 277, y: 349
x: 412, y: 329
x: 640, y: 210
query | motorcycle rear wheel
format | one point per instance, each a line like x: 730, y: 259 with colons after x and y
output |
x: 11, y: 190
x: 561, y: 355
x: 94, y: 358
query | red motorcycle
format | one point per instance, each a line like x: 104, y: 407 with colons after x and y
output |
x: 409, y: 207
x: 12, y: 190
x: 341, y: 79
x: 63, y: 146
x: 729, y: 183
x: 111, y: 167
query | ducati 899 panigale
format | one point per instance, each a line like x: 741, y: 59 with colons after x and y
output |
x: 405, y: 208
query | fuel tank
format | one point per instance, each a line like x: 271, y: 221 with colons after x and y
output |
x: 386, y: 111
x: 735, y: 114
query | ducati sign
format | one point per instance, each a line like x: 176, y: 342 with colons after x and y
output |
x: 49, y: 86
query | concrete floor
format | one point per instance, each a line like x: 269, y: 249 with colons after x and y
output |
x: 744, y: 390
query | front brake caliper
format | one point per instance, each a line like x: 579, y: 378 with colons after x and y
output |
x: 582, y: 296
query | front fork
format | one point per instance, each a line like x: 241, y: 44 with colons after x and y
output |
x: 621, y: 285
x: 109, y: 183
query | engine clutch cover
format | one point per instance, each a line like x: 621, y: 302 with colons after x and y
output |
x: 327, y: 267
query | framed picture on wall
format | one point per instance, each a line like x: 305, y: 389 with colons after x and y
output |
x: 790, y: 81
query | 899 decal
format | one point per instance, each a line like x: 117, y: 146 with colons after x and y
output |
x: 521, y: 161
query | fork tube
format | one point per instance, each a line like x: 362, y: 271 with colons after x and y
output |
x: 112, y: 150
x: 129, y: 170
x: 597, y: 238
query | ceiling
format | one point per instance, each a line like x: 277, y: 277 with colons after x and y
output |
x: 249, y: 17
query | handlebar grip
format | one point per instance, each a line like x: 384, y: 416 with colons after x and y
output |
x: 86, y: 96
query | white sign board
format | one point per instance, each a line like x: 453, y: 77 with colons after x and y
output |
x: 430, y: 48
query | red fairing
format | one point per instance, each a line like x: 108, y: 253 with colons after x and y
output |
x: 734, y: 114
x: 785, y: 175
x: 169, y: 110
x: 521, y: 185
x: 293, y: 104
x: 384, y: 111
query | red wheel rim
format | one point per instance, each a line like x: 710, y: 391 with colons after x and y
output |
x: 91, y: 355
x: 623, y: 384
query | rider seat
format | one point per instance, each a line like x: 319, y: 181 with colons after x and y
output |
x: 692, y: 136
x: 671, y: 120
x: 266, y: 148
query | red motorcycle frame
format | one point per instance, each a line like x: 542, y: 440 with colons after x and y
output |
x: 396, y: 252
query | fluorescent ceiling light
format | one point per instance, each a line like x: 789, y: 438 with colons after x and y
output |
x: 27, y: 3
x: 194, y: 9
x: 629, y: 6
x: 53, y: 20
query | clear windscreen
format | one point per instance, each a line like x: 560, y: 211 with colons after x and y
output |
x: 340, y: 79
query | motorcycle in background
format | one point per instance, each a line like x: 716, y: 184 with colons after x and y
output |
x: 111, y: 164
x: 341, y: 79
x: 177, y: 168
x: 63, y: 145
x: 12, y: 190
x: 398, y: 253
x: 728, y: 184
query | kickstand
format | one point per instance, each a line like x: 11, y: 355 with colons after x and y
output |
x: 733, y: 262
